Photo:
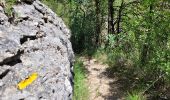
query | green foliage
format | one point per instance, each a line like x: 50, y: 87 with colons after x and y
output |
x: 83, y: 26
x: 142, y: 48
x: 80, y: 16
x: 80, y: 88
x: 100, y: 55
x: 135, y: 96
x: 9, y: 4
x: 111, y: 38
x: 60, y: 7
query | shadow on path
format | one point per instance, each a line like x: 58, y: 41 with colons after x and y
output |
x: 105, y: 84
x: 124, y: 82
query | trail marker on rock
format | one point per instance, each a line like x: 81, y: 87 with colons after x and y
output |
x: 24, y: 83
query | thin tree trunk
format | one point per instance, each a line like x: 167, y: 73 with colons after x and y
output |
x: 119, y: 17
x: 110, y: 17
x: 98, y: 26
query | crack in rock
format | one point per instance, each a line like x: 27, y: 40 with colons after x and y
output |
x: 4, y: 73
x: 11, y: 61
x: 27, y: 38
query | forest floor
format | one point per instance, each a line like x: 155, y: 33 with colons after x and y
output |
x: 101, y: 86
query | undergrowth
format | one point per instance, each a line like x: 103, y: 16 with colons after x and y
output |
x: 135, y: 96
x: 58, y: 7
x: 8, y: 6
x: 132, y: 77
x: 80, y: 86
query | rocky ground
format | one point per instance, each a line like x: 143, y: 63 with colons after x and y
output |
x: 34, y: 39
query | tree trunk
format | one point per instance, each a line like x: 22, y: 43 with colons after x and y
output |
x: 119, y: 17
x: 110, y: 17
x: 98, y: 26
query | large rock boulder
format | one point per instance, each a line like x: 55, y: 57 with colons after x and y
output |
x: 35, y: 41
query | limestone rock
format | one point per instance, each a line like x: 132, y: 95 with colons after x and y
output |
x: 34, y: 44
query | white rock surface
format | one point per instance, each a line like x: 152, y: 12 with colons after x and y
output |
x: 30, y: 44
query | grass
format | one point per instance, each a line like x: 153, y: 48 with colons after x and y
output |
x: 100, y: 55
x: 9, y: 4
x: 135, y: 96
x: 80, y: 86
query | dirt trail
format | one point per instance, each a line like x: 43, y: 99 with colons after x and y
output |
x: 100, y: 86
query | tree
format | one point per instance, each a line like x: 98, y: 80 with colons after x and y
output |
x: 110, y: 17
x: 119, y: 18
x: 98, y: 22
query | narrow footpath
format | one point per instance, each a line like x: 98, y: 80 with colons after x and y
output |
x: 100, y: 86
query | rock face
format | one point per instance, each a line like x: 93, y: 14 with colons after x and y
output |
x: 36, y: 40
